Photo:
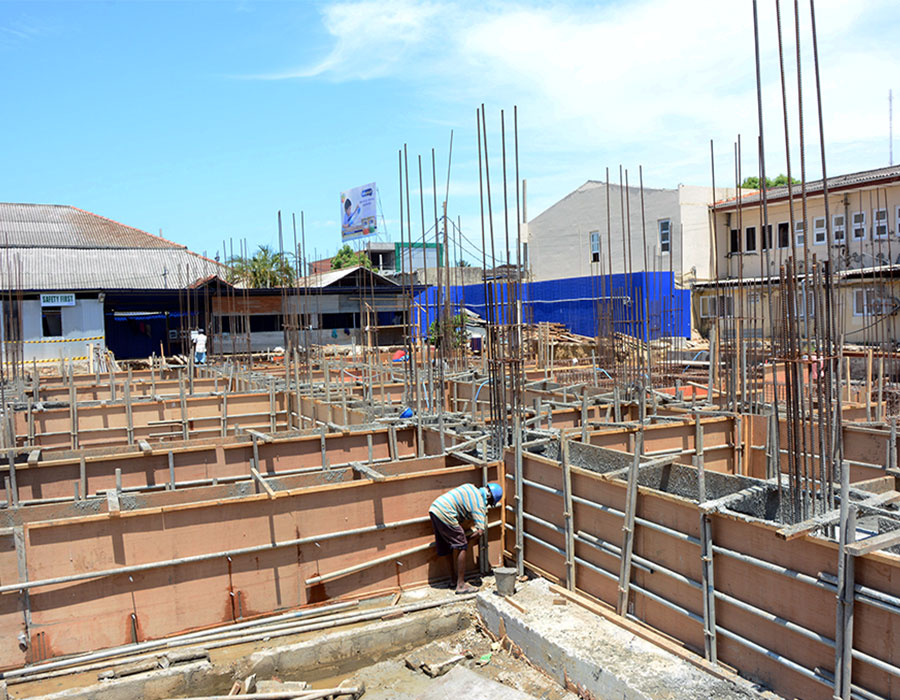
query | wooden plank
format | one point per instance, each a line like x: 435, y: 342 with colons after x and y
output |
x: 262, y: 482
x: 873, y: 544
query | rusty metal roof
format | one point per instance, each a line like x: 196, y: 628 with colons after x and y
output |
x: 54, y: 247
x: 57, y: 226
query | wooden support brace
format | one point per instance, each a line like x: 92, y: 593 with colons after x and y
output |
x: 367, y: 471
x: 34, y: 456
x: 145, y: 447
x: 112, y: 502
x: 265, y: 437
x: 873, y: 544
x: 262, y: 482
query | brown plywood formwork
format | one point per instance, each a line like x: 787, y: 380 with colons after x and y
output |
x: 782, y: 578
x: 110, y: 610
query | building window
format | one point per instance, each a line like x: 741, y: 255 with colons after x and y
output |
x: 784, y: 234
x: 595, y: 246
x: 819, y: 230
x: 665, y: 238
x: 751, y: 238
x: 869, y: 302
x: 735, y: 241
x: 879, y: 223
x: 767, y: 237
x: 51, y: 322
x: 345, y: 321
x: 838, y: 227
x: 800, y: 231
x: 862, y: 302
x: 858, y: 224
x: 710, y: 307
x: 265, y: 323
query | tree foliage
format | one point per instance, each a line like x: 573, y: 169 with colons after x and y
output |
x: 462, y: 262
x: 265, y: 268
x: 347, y: 257
x: 752, y: 183
x: 457, y: 331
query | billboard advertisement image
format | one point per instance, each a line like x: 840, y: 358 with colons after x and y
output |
x: 359, y: 212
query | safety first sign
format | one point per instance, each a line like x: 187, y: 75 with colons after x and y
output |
x: 57, y: 300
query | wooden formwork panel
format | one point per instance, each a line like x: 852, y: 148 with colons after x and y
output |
x: 786, y: 597
x: 216, y: 491
x: 809, y: 606
x: 108, y: 424
x: 679, y: 556
x: 99, y: 613
x: 55, y: 478
x: 12, y: 608
x: 859, y: 444
x: 718, y: 441
x: 102, y: 392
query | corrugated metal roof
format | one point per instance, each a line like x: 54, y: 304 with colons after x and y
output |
x: 54, y: 247
x: 836, y: 183
x: 73, y: 268
x: 57, y: 226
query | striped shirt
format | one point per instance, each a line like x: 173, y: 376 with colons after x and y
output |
x: 465, y: 502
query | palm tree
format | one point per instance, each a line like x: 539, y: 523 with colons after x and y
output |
x: 265, y: 268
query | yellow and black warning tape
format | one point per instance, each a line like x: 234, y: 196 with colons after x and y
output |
x: 57, y: 359
x: 57, y: 340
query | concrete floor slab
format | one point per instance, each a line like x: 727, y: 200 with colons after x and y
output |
x: 598, y: 657
x: 463, y: 683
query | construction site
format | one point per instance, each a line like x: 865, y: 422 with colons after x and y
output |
x: 699, y: 472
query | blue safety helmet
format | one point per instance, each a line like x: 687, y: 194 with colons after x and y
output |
x: 494, y: 493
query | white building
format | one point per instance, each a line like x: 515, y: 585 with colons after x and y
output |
x: 591, y: 232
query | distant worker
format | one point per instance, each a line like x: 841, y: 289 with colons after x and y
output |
x: 449, y: 511
x: 200, y: 348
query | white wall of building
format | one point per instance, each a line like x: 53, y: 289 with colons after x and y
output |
x: 559, y: 243
x: 82, y: 325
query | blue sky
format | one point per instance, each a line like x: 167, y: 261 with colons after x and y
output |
x: 204, y: 119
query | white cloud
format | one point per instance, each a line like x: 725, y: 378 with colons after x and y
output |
x: 649, y: 82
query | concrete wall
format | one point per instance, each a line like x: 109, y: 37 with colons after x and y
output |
x: 82, y: 324
x: 559, y: 238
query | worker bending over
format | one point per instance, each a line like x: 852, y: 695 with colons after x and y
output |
x: 449, y: 511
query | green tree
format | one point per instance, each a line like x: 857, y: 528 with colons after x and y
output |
x: 457, y: 331
x: 265, y: 268
x: 462, y: 262
x: 347, y: 257
x: 752, y: 183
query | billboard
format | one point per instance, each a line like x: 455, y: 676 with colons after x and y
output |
x: 359, y: 212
